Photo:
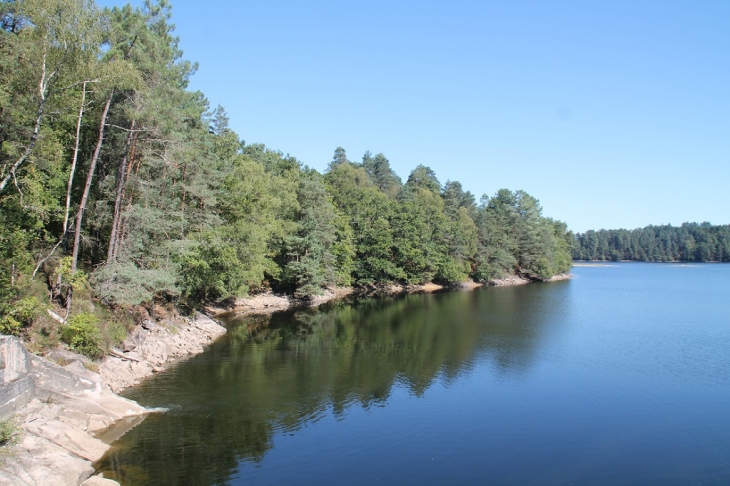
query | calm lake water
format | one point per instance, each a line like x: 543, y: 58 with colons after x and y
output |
x: 618, y: 376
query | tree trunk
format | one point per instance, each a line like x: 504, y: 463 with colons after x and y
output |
x: 74, y: 159
x: 121, y: 180
x: 87, y: 187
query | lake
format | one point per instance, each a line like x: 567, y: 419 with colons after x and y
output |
x: 620, y: 375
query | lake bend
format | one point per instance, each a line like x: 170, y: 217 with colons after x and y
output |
x: 620, y: 375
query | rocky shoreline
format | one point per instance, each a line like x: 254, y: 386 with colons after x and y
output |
x: 67, y: 407
x: 68, y: 415
x: 268, y: 302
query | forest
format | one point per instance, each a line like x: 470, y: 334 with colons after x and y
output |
x: 690, y: 242
x: 120, y: 186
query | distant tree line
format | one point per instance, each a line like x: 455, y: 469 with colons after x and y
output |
x: 690, y: 242
x: 119, y: 183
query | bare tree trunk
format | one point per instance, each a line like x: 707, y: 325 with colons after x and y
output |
x: 87, y: 187
x: 74, y: 159
x: 121, y: 180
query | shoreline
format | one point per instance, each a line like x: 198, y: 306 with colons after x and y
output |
x: 67, y: 415
x: 73, y: 414
x: 269, y: 302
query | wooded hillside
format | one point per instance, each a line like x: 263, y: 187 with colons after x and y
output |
x: 120, y: 185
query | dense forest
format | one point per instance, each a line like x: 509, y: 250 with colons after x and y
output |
x: 690, y: 242
x: 119, y: 185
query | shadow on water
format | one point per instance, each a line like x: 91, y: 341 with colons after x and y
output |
x: 276, y: 374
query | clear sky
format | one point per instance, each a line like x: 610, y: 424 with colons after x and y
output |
x: 613, y: 114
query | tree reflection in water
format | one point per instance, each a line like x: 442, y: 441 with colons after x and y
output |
x: 275, y: 374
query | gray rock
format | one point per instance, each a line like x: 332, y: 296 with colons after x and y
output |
x: 15, y: 395
x: 127, y: 345
x: 13, y: 359
x: 78, y: 368
x: 149, y: 325
x: 134, y: 356
x: 17, y: 384
x: 51, y: 378
x: 70, y: 438
x: 65, y: 356
x: 40, y: 462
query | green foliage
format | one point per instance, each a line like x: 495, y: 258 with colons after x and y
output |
x: 9, y: 431
x: 369, y: 212
x: 127, y: 284
x: 82, y: 334
x: 176, y: 205
x: 514, y: 237
x: 690, y: 242
x: 77, y: 280
x: 310, y: 262
x: 20, y: 315
x: 380, y: 172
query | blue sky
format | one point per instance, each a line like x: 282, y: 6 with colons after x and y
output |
x: 613, y: 114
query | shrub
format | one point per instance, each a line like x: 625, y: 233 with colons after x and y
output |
x: 20, y: 315
x: 8, y: 431
x: 82, y: 334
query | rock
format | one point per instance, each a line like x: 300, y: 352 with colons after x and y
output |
x: 127, y: 345
x: 16, y: 394
x: 99, y: 481
x: 52, y: 379
x: 73, y: 440
x: 64, y: 356
x: 17, y: 385
x: 40, y: 462
x: 13, y: 359
x: 149, y: 325
x: 509, y: 280
x: 135, y: 356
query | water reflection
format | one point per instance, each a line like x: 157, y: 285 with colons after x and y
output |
x: 276, y: 374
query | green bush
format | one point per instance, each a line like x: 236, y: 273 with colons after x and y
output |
x: 8, y: 431
x: 20, y: 315
x: 82, y: 334
x: 10, y: 325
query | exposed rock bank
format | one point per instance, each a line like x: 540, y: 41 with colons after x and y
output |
x: 68, y: 415
x: 268, y: 303
x: 518, y: 280
x: 560, y: 276
x: 58, y: 416
x: 152, y: 346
